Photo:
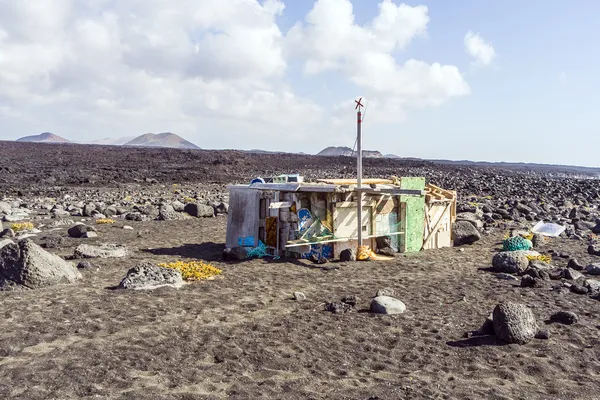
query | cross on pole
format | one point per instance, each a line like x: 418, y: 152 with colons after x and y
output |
x: 359, y: 202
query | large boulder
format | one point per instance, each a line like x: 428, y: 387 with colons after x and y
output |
x: 511, y: 262
x: 470, y: 217
x: 104, y: 251
x: 514, y: 323
x: 150, y: 276
x: 199, y: 210
x: 387, y: 305
x: 464, y: 232
x: 169, y: 215
x: 27, y: 266
x: 178, y: 206
x: 77, y: 231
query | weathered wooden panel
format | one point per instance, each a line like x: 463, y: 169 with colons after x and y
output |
x: 243, y: 216
x: 345, y: 222
x: 413, y: 221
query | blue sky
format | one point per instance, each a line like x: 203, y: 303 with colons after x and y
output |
x: 282, y: 75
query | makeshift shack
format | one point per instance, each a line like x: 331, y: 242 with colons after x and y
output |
x: 300, y: 219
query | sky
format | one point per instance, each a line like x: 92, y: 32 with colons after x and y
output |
x: 509, y: 80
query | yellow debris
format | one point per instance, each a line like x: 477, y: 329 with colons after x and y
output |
x: 193, y: 270
x: 104, y: 221
x: 22, y: 226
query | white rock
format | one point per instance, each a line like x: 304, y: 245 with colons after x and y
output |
x: 299, y: 296
x: 387, y: 305
x: 5, y: 242
x: 127, y: 227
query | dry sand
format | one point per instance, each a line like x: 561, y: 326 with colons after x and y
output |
x: 242, y: 336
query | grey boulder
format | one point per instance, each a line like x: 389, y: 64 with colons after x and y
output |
x: 104, y: 251
x: 27, y: 266
x: 387, y: 305
x: 593, y: 269
x: 348, y: 255
x: 464, y: 232
x: 77, y: 231
x: 199, y: 210
x: 510, y: 262
x: 471, y: 218
x: 146, y: 276
x: 514, y: 323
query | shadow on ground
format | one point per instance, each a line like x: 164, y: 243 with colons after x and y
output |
x: 476, y: 341
x: 208, y: 251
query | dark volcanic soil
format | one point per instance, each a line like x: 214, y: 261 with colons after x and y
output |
x: 242, y: 336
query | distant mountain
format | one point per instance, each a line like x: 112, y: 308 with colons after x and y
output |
x: 166, y: 139
x: 113, y: 141
x: 45, y: 137
x: 333, y: 151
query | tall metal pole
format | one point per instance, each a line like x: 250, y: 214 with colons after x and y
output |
x: 359, y: 170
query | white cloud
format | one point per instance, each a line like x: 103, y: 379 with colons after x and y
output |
x: 136, y: 66
x: 213, y: 71
x: 329, y: 39
x: 477, y: 48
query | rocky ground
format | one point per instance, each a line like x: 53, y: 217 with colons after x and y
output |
x: 76, y: 334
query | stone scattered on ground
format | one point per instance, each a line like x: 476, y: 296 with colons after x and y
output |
x: 531, y: 281
x: 514, y: 323
x: 103, y: 251
x: 387, y: 305
x: 338, y: 307
x: 385, y: 292
x: 576, y: 265
x: 7, y: 233
x: 147, y: 276
x: 506, y: 277
x: 26, y: 265
x: 594, y: 250
x: 299, y: 296
x: 593, y: 269
x: 572, y: 274
x: 538, y: 240
x: 564, y: 317
x: 54, y: 242
x: 85, y: 265
x: 579, y: 289
x: 348, y: 255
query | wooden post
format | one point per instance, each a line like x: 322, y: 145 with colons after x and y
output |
x: 359, y: 171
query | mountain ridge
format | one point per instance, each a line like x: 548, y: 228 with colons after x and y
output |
x: 164, y: 139
x: 45, y: 137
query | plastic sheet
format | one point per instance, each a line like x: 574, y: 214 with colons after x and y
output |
x: 548, y: 229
